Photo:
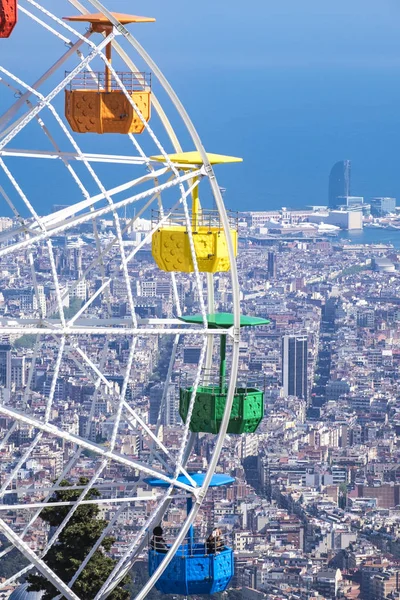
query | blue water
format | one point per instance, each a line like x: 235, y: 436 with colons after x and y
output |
x: 291, y: 87
x: 289, y: 125
x: 372, y: 236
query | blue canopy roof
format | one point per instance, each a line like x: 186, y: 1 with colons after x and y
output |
x: 21, y: 593
x: 217, y: 480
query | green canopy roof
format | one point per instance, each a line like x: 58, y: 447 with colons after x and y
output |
x: 225, y: 320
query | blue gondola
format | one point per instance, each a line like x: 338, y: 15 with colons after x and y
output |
x: 193, y: 570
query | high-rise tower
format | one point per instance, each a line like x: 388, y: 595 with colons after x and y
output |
x: 5, y: 365
x: 272, y: 265
x: 339, y: 182
x: 156, y: 393
x: 294, y: 365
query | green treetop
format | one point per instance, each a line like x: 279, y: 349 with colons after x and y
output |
x: 74, y: 544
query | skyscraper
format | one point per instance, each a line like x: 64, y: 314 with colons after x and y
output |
x: 171, y: 413
x: 294, y: 365
x: 339, y: 182
x: 18, y: 368
x: 5, y: 365
x: 156, y: 393
x: 271, y: 265
x: 382, y: 206
x: 77, y: 262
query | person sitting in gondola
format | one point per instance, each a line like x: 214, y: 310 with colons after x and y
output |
x: 215, y: 542
x: 157, y: 542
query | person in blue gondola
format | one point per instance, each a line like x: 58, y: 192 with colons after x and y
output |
x: 157, y: 542
x: 215, y: 542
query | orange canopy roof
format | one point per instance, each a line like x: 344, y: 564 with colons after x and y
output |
x: 100, y: 19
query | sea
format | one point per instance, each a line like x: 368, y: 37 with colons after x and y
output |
x: 290, y: 125
x: 371, y: 235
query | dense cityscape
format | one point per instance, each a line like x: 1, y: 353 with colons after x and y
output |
x: 198, y: 401
x: 314, y: 510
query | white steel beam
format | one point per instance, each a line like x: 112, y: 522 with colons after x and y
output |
x: 37, y: 562
x: 79, y: 220
x: 20, y: 323
x: 42, y: 103
x: 7, y: 116
x: 111, y: 501
x: 76, y: 439
x: 111, y: 331
x: 54, y: 155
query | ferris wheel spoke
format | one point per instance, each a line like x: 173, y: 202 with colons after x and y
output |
x: 164, y: 393
x: 132, y: 417
x: 132, y: 413
x: 74, y: 508
x: 4, y: 236
x: 46, y: 26
x: 134, y: 548
x: 65, y: 471
x: 54, y: 144
x: 115, y: 217
x: 35, y: 286
x: 23, y: 458
x: 79, y: 220
x: 36, y: 561
x: 5, y: 119
x: 95, y: 547
x: 38, y: 436
x: 53, y: 229
x: 123, y: 565
x: 85, y: 444
x: 116, y: 159
x: 22, y: 196
x: 60, y: 216
x: 46, y: 100
x: 81, y: 365
x: 114, y: 331
x: 94, y: 501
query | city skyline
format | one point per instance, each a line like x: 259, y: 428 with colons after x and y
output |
x: 195, y: 400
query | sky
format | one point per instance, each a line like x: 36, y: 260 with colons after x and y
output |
x: 290, y: 86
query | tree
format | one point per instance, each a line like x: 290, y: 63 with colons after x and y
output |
x: 74, y: 544
x: 25, y: 341
x: 12, y: 562
x: 70, y: 311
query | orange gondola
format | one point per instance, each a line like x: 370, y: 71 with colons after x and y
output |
x: 95, y: 102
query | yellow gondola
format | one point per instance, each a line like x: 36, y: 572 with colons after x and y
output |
x: 170, y: 243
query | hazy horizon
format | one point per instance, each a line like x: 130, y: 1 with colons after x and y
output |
x: 290, y: 88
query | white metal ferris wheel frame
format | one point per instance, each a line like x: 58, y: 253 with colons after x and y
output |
x: 41, y: 229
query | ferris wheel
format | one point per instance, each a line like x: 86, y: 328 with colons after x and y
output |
x: 83, y: 131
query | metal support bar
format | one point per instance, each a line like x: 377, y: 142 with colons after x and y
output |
x: 37, y: 562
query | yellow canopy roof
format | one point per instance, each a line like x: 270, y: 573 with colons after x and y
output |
x: 194, y: 158
x: 100, y: 19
